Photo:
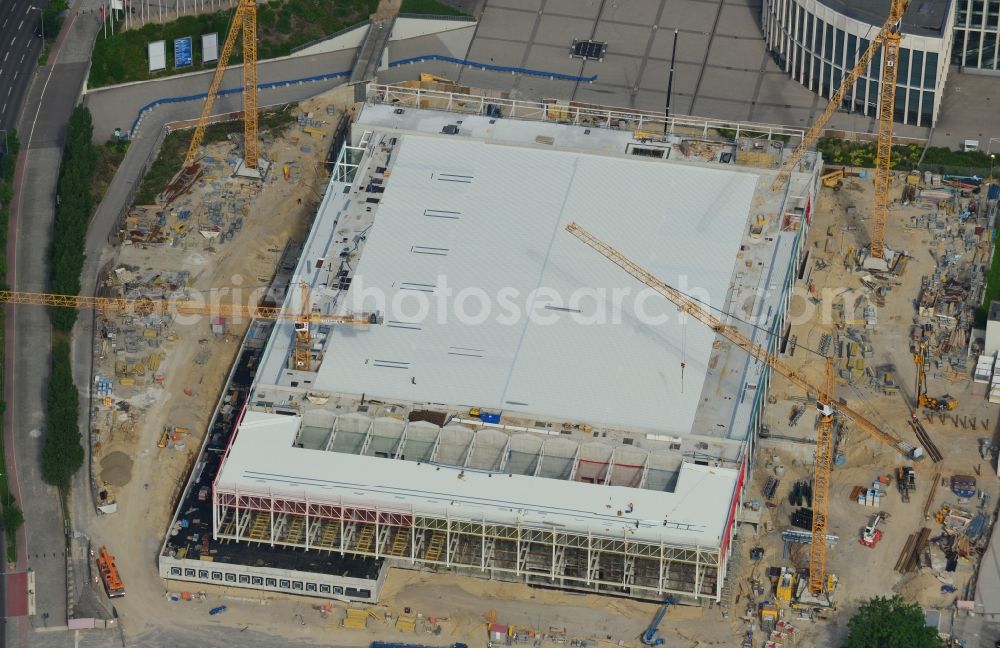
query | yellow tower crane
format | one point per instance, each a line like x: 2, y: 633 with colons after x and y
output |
x: 888, y: 37
x: 826, y: 402
x: 245, y: 23
x: 147, y: 305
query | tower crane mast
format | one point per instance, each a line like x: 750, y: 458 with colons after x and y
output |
x: 888, y: 38
x: 826, y: 403
x: 244, y: 22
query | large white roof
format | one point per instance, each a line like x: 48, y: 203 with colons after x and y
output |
x: 263, y: 456
x: 478, y: 215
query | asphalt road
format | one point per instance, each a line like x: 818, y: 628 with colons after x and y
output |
x: 19, y: 51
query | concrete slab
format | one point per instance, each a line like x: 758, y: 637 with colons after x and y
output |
x: 654, y: 77
x: 579, y: 8
x: 635, y: 13
x: 727, y: 84
x: 624, y: 39
x: 509, y: 24
x: 553, y: 59
x: 623, y: 72
x: 688, y: 15
x: 741, y: 20
x: 736, y: 53
x: 522, y: 5
x: 691, y: 47
x: 561, y: 31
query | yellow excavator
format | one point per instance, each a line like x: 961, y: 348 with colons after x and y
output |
x: 833, y: 179
x: 941, y: 404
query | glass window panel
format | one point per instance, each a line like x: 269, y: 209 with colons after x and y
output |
x: 902, y: 65
x: 899, y: 107
x: 916, y: 68
x: 989, y: 50
x: 976, y: 17
x: 992, y: 13
x: 828, y: 43
x: 912, y: 108
x: 872, y: 96
x: 809, y: 32
x: 927, y: 109
x: 852, y: 50
x: 958, y: 47
x: 838, y: 52
x: 972, y: 49
x: 962, y: 14
x: 930, y: 74
x: 836, y: 78
x: 825, y: 86
x: 800, y: 20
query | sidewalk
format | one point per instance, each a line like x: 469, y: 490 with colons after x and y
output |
x: 51, y: 97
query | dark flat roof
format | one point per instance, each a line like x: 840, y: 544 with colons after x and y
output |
x: 923, y: 18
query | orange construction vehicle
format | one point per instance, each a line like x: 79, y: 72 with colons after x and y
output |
x: 113, y: 584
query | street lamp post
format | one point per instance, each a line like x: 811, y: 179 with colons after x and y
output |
x: 990, y: 144
x: 41, y: 17
x: 993, y: 157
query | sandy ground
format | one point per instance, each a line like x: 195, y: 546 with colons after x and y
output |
x: 145, y: 479
x: 866, y: 572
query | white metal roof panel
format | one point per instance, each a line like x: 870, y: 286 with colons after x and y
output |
x: 263, y: 457
x: 476, y: 218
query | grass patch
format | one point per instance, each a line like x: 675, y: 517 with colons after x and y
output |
x: 428, y: 8
x: 175, y: 146
x: 281, y: 26
x: 992, y: 292
x: 109, y: 158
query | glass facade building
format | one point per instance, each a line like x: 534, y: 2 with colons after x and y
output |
x: 977, y: 29
x: 819, y: 41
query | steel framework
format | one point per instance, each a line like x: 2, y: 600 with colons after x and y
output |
x: 575, y: 112
x: 552, y: 556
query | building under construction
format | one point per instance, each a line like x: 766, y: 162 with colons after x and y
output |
x: 516, y: 406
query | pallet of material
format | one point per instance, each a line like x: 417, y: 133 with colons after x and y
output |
x: 909, y: 558
x: 357, y: 619
x: 406, y: 624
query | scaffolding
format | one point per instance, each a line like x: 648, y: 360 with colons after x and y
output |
x: 556, y: 557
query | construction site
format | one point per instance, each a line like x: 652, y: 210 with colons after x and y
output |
x: 423, y: 362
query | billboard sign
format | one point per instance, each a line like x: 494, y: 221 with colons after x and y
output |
x: 182, y: 52
x: 209, y: 48
x: 157, y: 55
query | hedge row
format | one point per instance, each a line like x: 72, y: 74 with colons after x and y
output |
x: 62, y: 453
x: 904, y: 157
x: 11, y: 516
x: 73, y: 208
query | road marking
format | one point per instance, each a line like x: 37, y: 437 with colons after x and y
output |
x: 5, y: 57
x: 22, y: 58
x: 8, y: 91
x: 4, y: 109
x: 20, y: 25
x: 5, y: 21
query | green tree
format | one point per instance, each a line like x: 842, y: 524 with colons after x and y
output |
x: 891, y: 623
x: 62, y: 454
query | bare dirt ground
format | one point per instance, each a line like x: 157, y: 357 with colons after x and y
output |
x: 142, y: 478
x: 867, y: 572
